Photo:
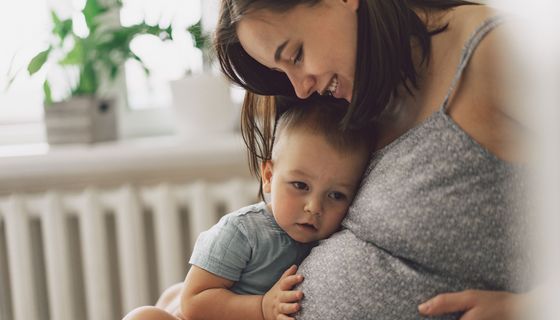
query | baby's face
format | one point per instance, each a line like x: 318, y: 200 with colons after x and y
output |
x: 311, y: 184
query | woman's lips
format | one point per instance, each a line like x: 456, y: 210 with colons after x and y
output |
x: 332, y: 87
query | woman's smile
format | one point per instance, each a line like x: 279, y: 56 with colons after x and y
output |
x: 315, y: 56
x: 331, y: 89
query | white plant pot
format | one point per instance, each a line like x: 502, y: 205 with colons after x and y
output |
x: 81, y: 120
x: 203, y: 105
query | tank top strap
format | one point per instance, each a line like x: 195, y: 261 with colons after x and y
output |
x: 468, y: 50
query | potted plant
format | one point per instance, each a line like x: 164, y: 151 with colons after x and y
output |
x: 92, y: 61
x: 201, y: 42
x: 202, y: 101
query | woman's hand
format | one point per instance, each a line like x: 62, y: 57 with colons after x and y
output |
x: 281, y: 301
x: 476, y: 305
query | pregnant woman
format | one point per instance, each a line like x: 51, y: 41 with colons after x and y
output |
x: 436, y: 214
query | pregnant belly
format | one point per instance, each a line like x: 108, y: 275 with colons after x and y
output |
x: 347, y: 278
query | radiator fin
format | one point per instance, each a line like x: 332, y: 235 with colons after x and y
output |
x: 98, y: 253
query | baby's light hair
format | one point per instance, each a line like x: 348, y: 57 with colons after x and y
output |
x: 323, y: 117
x: 317, y: 114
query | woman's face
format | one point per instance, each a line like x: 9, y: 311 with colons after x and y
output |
x: 314, y: 45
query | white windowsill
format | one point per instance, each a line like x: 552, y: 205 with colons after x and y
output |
x: 148, y: 160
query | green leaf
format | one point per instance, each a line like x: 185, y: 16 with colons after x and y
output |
x: 38, y: 61
x: 113, y: 72
x: 163, y: 33
x: 135, y: 57
x: 61, y: 28
x: 56, y: 20
x: 10, y: 74
x: 199, y: 38
x: 139, y: 60
x: 10, y: 81
x: 75, y: 56
x: 169, y: 31
x: 88, y: 83
x: 99, y: 55
x: 48, y: 93
x: 92, y: 10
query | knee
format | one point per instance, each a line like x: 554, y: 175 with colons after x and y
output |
x: 148, y: 313
x: 169, y: 295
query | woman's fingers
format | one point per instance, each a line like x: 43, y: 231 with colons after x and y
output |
x: 449, y: 302
x: 477, y: 305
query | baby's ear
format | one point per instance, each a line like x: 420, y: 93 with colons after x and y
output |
x: 266, y: 174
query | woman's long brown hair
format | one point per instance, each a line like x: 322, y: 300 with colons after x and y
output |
x: 384, y: 62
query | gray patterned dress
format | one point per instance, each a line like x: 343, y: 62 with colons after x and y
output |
x: 435, y: 214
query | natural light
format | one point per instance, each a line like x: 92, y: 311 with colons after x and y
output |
x: 26, y: 32
x: 23, y: 34
x: 166, y: 61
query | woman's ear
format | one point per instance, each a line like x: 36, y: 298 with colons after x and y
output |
x: 266, y: 175
x: 354, y: 4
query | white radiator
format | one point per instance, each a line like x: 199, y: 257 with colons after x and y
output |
x: 98, y: 253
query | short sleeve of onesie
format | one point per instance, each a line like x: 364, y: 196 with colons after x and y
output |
x: 223, y: 250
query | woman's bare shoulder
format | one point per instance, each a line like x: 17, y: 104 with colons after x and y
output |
x: 489, y: 72
x: 482, y: 102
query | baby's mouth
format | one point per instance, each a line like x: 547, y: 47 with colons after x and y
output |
x: 307, y: 226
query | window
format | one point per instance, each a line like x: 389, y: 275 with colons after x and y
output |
x: 167, y: 61
x: 25, y: 32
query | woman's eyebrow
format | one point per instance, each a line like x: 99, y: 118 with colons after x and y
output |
x: 279, y: 50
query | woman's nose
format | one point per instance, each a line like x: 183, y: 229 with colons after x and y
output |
x: 303, y: 84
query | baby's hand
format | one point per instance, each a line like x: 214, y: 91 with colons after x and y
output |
x: 281, y: 301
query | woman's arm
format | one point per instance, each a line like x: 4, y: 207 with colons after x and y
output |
x: 207, y: 296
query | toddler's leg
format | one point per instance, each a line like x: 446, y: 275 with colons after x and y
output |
x: 170, y: 299
x: 149, y: 313
x: 167, y: 307
x: 170, y: 296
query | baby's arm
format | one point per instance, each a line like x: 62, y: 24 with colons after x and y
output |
x: 207, y: 296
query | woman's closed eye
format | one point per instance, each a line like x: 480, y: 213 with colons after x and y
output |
x: 298, y: 56
x: 300, y: 185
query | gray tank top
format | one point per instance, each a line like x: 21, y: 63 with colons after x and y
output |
x: 436, y: 213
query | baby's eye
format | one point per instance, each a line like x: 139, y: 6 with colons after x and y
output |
x: 300, y: 185
x: 335, y: 195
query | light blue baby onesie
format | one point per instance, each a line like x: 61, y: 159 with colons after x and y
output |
x: 247, y: 246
